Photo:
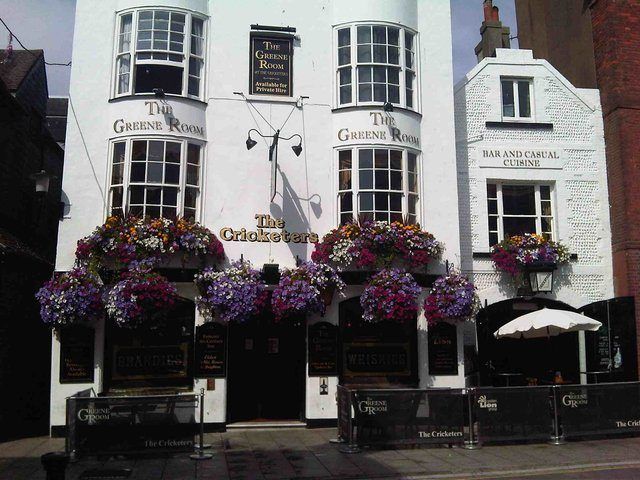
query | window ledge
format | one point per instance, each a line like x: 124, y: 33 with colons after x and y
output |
x: 487, y: 255
x: 348, y: 108
x: 521, y: 125
x: 151, y: 95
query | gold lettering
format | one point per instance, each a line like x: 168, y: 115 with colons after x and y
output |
x: 226, y: 233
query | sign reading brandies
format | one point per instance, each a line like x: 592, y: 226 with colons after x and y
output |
x: 271, y: 65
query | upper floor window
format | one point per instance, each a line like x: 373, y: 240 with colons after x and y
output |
x: 160, y: 49
x: 377, y: 184
x: 376, y: 64
x: 518, y: 209
x: 516, y: 98
x: 155, y: 178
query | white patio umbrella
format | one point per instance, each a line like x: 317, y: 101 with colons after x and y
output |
x: 547, y: 322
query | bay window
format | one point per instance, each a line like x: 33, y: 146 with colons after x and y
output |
x: 517, y: 209
x: 377, y: 184
x: 160, y: 49
x: 155, y: 178
x: 376, y: 64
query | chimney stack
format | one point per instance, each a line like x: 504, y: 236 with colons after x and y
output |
x: 494, y: 35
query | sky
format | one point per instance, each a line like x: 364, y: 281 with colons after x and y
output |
x: 48, y: 25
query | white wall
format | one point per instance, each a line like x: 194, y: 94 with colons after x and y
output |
x: 580, y: 200
x: 236, y: 181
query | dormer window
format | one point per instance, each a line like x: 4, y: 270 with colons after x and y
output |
x: 516, y: 98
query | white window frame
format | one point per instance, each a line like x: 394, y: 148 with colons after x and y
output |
x: 516, y: 100
x: 538, y: 205
x: 401, y: 66
x: 132, y: 52
x: 182, y: 181
x: 355, y: 180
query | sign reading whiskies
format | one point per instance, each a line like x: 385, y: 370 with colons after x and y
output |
x: 271, y: 65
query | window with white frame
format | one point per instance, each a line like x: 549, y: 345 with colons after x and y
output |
x: 160, y: 49
x: 376, y: 64
x: 516, y: 98
x: 377, y: 184
x: 155, y: 178
x: 516, y: 209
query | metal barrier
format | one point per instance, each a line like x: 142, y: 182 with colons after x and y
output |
x: 511, y: 413
x: 130, y: 424
x: 392, y: 417
x: 599, y: 409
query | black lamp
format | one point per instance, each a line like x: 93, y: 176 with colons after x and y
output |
x: 42, y: 179
x: 541, y: 280
x: 297, y: 149
x: 250, y: 142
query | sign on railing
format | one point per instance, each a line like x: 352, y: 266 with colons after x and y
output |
x: 409, y: 416
x: 512, y: 413
x: 131, y: 425
x: 602, y: 409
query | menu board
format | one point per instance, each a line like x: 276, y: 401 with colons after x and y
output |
x: 323, y: 349
x: 211, y: 349
x: 76, y: 354
x: 271, y: 65
x: 443, y: 349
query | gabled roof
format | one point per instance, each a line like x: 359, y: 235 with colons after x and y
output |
x: 20, y: 63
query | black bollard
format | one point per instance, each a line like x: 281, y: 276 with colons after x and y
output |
x: 55, y: 464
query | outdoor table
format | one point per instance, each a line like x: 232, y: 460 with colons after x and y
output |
x: 507, y: 377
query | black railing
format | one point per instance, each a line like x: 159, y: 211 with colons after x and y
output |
x: 392, y: 417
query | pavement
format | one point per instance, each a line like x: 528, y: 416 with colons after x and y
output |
x: 307, y: 453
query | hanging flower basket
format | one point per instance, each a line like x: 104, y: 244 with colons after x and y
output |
x: 71, y: 298
x: 517, y: 253
x: 139, y: 297
x: 377, y: 245
x: 390, y: 295
x: 306, y: 289
x: 121, y: 241
x: 233, y: 295
x: 452, y: 297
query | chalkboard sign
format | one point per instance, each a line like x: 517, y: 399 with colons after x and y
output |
x: 211, y: 348
x: 323, y: 349
x: 443, y: 349
x: 271, y: 65
x: 76, y: 354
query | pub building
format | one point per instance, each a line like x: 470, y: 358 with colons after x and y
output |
x: 175, y: 110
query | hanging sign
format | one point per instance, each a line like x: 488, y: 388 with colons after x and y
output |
x: 271, y: 65
x: 211, y: 349
x: 76, y: 355
x: 443, y: 349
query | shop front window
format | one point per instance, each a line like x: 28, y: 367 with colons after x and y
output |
x: 376, y: 64
x: 377, y: 184
x: 160, y: 49
x: 155, y: 178
x: 518, y: 209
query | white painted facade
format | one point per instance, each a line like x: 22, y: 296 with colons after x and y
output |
x: 577, y: 176
x: 235, y: 185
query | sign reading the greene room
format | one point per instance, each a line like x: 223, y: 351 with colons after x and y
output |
x: 381, y: 127
x: 160, y: 118
x: 271, y: 65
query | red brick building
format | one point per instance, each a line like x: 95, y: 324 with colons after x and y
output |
x: 577, y: 37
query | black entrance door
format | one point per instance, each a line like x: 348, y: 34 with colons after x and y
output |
x: 266, y: 370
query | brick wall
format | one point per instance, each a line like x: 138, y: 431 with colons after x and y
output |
x: 616, y: 39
